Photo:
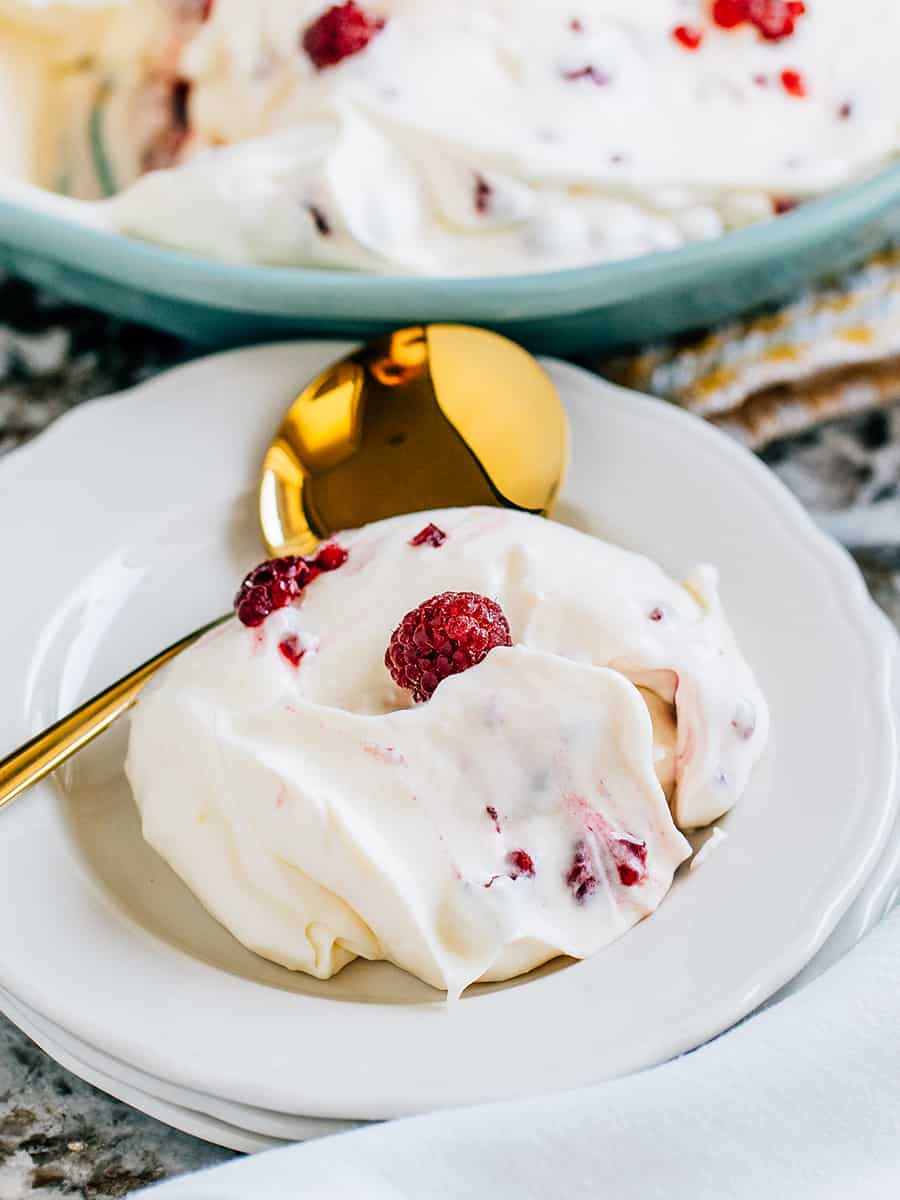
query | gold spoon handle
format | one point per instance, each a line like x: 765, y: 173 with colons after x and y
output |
x: 48, y: 750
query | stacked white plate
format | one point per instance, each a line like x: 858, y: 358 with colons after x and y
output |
x: 130, y: 522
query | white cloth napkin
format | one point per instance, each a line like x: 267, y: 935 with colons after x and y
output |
x: 801, y: 1101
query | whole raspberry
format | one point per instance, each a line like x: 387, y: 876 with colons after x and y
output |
x: 447, y: 634
x: 273, y: 584
x: 340, y: 31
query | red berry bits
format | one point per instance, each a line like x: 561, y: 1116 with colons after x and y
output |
x: 728, y: 14
x: 321, y: 222
x: 446, y: 635
x: 774, y: 19
x: 291, y: 650
x: 793, y: 83
x: 594, y: 74
x: 688, y: 36
x: 630, y: 857
x: 431, y: 535
x: 522, y: 863
x: 329, y: 557
x: 783, y: 204
x: 271, y: 585
x: 581, y: 879
x: 341, y: 31
x: 278, y: 581
x: 482, y: 194
x: 494, y: 815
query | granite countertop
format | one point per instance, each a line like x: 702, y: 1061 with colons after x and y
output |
x: 60, y: 1137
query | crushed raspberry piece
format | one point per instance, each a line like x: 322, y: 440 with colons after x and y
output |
x: 166, y: 147
x: 783, y: 204
x: 522, y: 863
x: 329, y: 557
x: 793, y: 83
x: 342, y: 30
x: 655, y: 614
x: 446, y: 635
x: 773, y: 18
x: 845, y: 110
x: 431, y: 535
x: 581, y: 878
x: 630, y: 857
x: 319, y: 219
x: 688, y: 36
x: 494, y: 815
x: 729, y: 13
x: 271, y: 585
x: 594, y: 74
x: 291, y: 650
x: 278, y: 581
x: 483, y: 194
x: 576, y: 25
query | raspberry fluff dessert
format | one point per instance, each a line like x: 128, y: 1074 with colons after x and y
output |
x: 427, y: 137
x: 465, y: 742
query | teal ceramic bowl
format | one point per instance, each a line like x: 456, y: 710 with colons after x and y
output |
x: 590, y: 309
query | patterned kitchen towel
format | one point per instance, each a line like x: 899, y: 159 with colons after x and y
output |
x: 834, y: 351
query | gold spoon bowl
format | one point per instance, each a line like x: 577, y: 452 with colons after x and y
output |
x: 433, y: 416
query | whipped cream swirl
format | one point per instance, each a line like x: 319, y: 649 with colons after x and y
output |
x: 531, y: 808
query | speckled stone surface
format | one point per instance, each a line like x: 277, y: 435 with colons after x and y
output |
x: 60, y: 1137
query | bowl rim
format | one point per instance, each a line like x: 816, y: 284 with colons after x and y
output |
x: 45, y: 231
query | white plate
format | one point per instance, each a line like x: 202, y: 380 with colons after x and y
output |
x: 879, y: 893
x: 145, y: 501
x: 59, y: 1046
x: 248, y: 1129
x: 261, y: 1122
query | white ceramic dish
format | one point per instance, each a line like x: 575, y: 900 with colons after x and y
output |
x: 154, y: 487
x: 247, y: 1129
x: 59, y: 1046
x: 881, y: 889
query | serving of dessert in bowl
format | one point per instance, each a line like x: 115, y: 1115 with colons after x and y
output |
x: 416, y: 136
x: 359, y: 823
x: 578, y: 176
x: 464, y: 741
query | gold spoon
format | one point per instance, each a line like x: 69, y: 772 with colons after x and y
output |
x: 433, y: 416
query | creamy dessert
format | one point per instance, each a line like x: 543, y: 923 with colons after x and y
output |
x: 428, y: 137
x: 465, y: 742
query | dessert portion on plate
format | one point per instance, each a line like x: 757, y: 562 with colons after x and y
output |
x: 427, y: 137
x: 464, y: 741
